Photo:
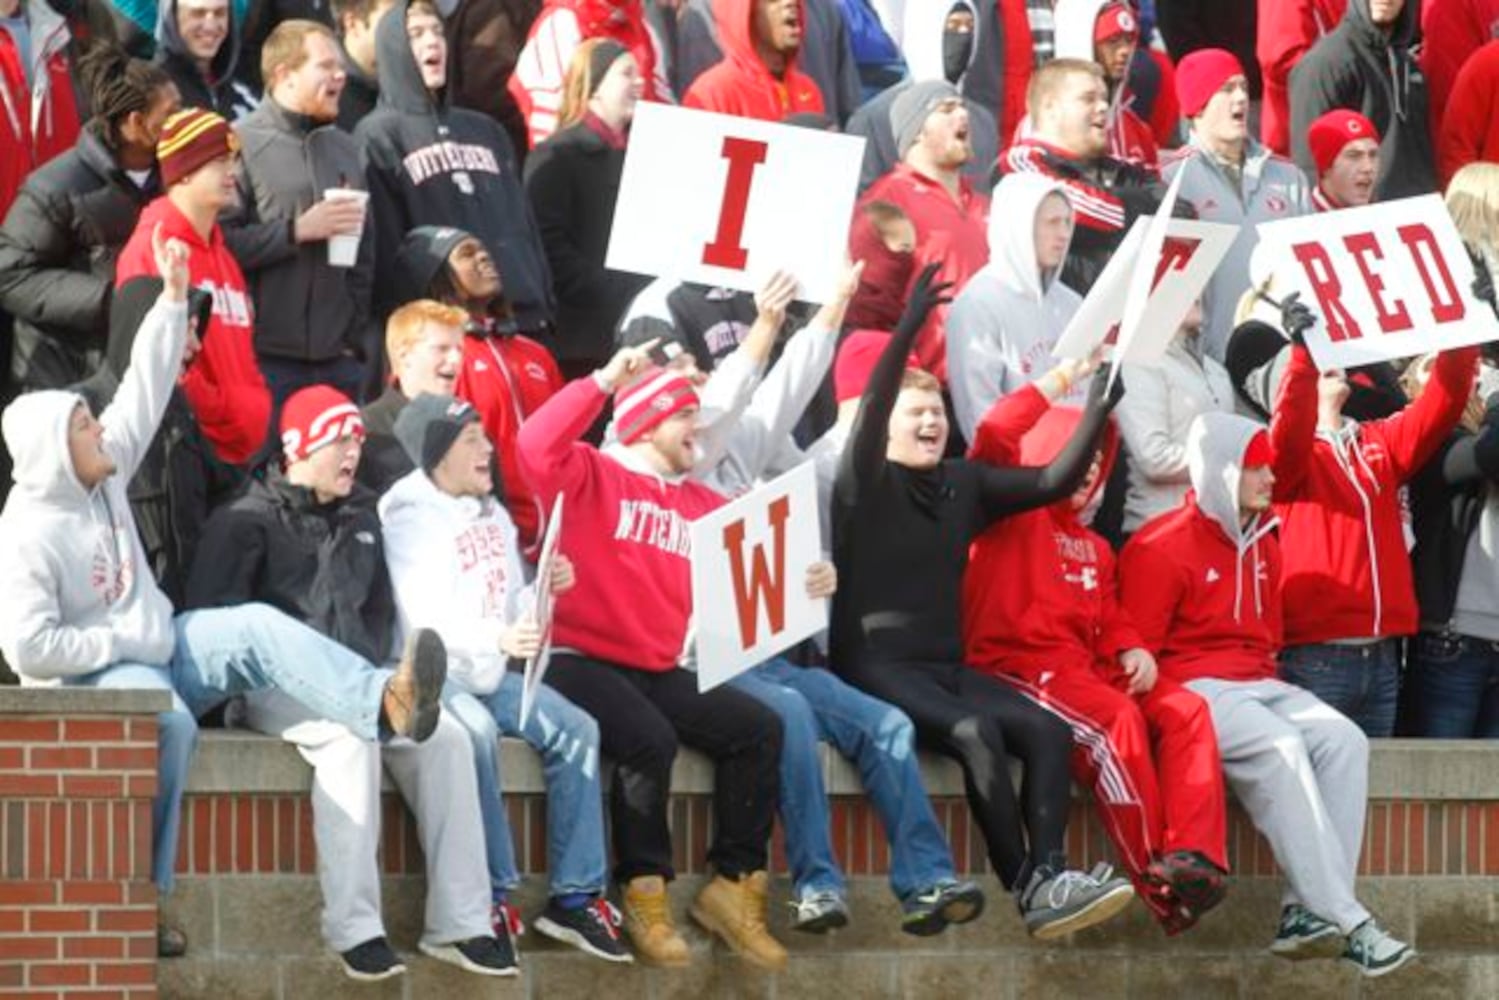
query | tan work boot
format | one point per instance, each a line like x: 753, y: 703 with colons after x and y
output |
x: 735, y: 911
x: 413, y: 697
x: 647, y: 913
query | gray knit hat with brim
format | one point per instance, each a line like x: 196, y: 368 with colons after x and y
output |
x: 910, y: 110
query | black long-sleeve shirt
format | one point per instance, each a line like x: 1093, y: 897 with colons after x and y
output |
x: 901, y: 535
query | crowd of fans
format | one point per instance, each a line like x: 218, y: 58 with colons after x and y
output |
x: 333, y: 281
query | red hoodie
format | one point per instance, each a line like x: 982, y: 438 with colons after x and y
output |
x: 952, y: 233
x: 223, y: 385
x: 1039, y: 592
x: 1286, y: 30
x: 1347, y: 571
x: 1451, y: 31
x: 40, y: 121
x: 1202, y: 587
x: 507, y: 379
x: 563, y: 25
x: 1470, y: 129
x: 626, y: 531
x: 741, y: 84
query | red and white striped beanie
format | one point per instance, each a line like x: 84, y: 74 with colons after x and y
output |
x: 316, y: 416
x: 643, y: 404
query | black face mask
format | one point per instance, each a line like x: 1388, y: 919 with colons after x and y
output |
x: 957, y: 52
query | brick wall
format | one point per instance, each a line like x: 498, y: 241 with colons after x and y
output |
x: 77, y: 906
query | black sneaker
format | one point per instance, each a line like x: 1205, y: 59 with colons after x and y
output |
x: 931, y: 910
x: 372, y: 961
x: 486, y: 955
x: 593, y: 929
x: 170, y: 942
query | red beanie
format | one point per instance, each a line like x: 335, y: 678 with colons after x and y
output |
x: 643, y: 404
x: 314, y: 417
x: 1115, y: 19
x: 857, y: 356
x: 1334, y: 130
x: 1258, y: 451
x: 1202, y: 74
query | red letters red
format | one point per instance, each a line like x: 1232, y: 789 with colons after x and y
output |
x: 744, y: 155
x: 1365, y: 248
x: 763, y: 583
x: 1448, y: 306
x: 1328, y: 289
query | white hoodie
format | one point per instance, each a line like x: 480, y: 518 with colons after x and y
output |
x: 76, y: 591
x: 1004, y: 323
x: 455, y: 564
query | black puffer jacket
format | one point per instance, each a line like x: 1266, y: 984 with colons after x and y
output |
x: 1358, y: 66
x: 57, y: 261
x: 322, y: 564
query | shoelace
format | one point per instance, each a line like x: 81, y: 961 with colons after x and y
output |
x: 607, y: 916
x: 818, y: 899
x: 1063, y: 885
x: 651, y: 908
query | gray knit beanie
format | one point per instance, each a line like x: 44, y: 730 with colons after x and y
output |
x: 909, y: 111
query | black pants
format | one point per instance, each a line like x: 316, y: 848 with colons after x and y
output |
x: 980, y: 723
x: 641, y: 717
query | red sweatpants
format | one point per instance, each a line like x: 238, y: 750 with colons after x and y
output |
x: 1152, y: 763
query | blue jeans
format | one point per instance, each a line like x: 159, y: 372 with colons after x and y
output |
x: 568, y: 740
x: 813, y: 705
x: 222, y: 652
x: 1453, y: 685
x: 176, y: 736
x: 1362, y: 682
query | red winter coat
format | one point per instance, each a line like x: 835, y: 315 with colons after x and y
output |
x: 37, y: 123
x: 1451, y: 31
x: 1347, y: 571
x: 741, y: 84
x: 223, y: 385
x: 1286, y: 30
x: 1039, y: 592
x: 1470, y: 128
x: 626, y: 531
x: 507, y: 379
x: 952, y: 233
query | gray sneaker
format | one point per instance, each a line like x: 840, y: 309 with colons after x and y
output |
x: 819, y: 911
x: 1302, y: 935
x: 1059, y: 902
x: 1374, y: 952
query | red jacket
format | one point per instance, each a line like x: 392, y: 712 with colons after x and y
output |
x: 562, y: 25
x: 1347, y: 571
x: 1286, y: 30
x: 507, y: 379
x: 223, y: 385
x: 952, y: 233
x: 1451, y: 31
x: 39, y: 122
x: 741, y: 84
x: 1039, y: 592
x: 1470, y: 129
x: 1175, y: 582
x: 626, y: 531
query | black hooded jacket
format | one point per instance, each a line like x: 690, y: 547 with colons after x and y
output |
x: 429, y: 163
x: 321, y: 563
x: 57, y: 261
x: 1358, y: 66
x: 221, y: 91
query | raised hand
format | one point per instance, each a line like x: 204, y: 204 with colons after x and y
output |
x: 776, y: 296
x: 1101, y: 392
x: 626, y: 364
x: 927, y: 294
x: 171, y: 263
x: 1296, y: 318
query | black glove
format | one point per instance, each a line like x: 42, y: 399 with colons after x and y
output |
x: 1483, y: 282
x: 1100, y: 385
x: 925, y: 296
x: 1296, y: 318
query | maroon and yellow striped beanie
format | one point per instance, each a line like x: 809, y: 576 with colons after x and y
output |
x: 189, y: 139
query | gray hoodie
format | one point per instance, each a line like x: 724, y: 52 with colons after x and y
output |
x: 1215, y: 462
x: 76, y: 591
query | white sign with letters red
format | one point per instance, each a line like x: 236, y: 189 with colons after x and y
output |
x: 749, y: 577
x: 726, y: 201
x: 545, y: 609
x: 1190, y: 252
x: 1390, y: 280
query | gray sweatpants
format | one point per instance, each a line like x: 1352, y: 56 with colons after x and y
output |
x: 1301, y: 771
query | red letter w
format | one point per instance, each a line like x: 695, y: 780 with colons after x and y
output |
x: 763, y: 582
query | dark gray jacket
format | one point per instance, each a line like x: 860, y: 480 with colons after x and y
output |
x: 305, y: 309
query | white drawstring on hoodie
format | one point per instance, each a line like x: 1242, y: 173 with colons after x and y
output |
x: 1250, y: 542
x: 1345, y: 443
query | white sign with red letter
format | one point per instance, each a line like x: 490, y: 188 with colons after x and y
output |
x: 749, y: 577
x: 1388, y: 281
x: 726, y: 201
x: 1189, y: 253
x: 536, y: 666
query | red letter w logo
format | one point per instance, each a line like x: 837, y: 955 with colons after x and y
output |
x: 764, y: 582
